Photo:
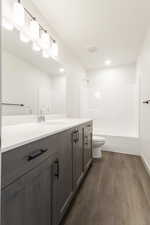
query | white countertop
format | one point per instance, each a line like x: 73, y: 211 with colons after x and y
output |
x: 14, y: 136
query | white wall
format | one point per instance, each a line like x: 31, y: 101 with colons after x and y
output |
x: 127, y: 145
x: 84, y: 99
x: 143, y: 70
x: 113, y: 100
x: 59, y: 94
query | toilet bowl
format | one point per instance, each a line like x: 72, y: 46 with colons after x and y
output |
x: 98, y: 142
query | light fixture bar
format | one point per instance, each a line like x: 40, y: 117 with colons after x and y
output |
x: 32, y: 17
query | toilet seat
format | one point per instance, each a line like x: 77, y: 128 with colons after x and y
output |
x: 100, y: 139
x: 98, y: 142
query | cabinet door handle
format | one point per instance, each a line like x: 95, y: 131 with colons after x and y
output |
x: 56, y: 168
x: 75, y: 136
x: 86, y: 140
x: 36, y: 154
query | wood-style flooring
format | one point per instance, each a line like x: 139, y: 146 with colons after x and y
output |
x: 116, y: 191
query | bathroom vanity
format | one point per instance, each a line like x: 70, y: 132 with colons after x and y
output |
x: 41, y: 177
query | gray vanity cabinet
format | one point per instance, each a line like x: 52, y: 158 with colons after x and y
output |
x: 62, y: 177
x: 87, y: 144
x: 40, y: 179
x: 27, y: 201
x: 77, y: 149
x: 13, y: 206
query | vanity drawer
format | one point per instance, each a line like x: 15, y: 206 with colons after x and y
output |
x: 19, y: 161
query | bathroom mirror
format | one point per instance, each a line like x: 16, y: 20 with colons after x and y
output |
x: 34, y: 83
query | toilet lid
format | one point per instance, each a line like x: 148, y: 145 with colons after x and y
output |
x: 98, y: 138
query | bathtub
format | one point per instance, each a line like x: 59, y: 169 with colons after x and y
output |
x: 120, y: 143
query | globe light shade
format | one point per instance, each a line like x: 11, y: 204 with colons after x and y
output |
x: 45, y: 40
x: 18, y: 15
x: 34, y: 30
x: 45, y: 54
x: 25, y: 34
x: 36, y: 47
x: 7, y: 22
x: 54, y: 50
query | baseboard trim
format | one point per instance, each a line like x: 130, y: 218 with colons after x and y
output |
x: 117, y: 149
x: 126, y: 145
x: 146, y: 165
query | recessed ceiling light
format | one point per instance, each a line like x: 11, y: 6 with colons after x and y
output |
x: 61, y: 70
x: 108, y: 62
x: 92, y: 49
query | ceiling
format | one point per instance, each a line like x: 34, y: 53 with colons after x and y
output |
x: 115, y: 27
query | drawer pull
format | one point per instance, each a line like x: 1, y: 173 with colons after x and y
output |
x: 86, y: 141
x: 75, y: 136
x: 56, y: 168
x: 36, y: 154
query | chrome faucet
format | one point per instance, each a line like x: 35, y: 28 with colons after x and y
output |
x: 41, y: 116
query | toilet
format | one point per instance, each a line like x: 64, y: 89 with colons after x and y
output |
x: 98, y: 142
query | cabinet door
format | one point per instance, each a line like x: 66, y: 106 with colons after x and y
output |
x: 87, y: 145
x: 13, y: 207
x: 27, y: 201
x: 62, y: 177
x: 77, y: 156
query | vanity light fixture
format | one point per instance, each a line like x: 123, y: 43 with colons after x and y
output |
x: 36, y: 47
x: 18, y: 15
x: 45, y: 40
x: 108, y: 62
x: 24, y: 38
x: 45, y: 54
x: 30, y: 31
x: 54, y: 49
x: 25, y: 34
x: 34, y: 29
